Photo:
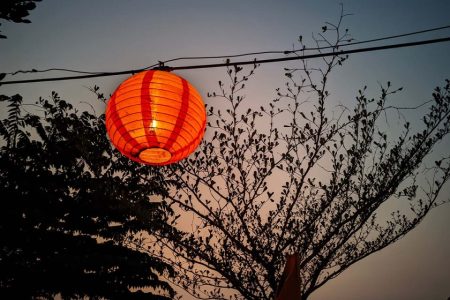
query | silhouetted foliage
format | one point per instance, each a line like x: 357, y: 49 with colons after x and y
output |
x: 16, y: 11
x: 69, y: 205
x: 297, y: 176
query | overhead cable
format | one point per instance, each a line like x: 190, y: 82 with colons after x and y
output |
x: 237, y: 63
x: 306, y: 48
x: 286, y: 52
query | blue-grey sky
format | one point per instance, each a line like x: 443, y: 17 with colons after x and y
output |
x: 116, y: 35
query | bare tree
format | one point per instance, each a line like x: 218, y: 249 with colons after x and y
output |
x: 297, y: 176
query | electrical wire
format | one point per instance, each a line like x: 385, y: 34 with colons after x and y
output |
x: 306, y: 48
x: 286, y: 52
x: 301, y: 57
x: 48, y: 70
x: 378, y: 39
x: 237, y: 63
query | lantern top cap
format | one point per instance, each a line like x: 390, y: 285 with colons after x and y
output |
x: 162, y: 67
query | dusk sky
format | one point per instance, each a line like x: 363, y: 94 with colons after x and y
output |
x: 120, y: 35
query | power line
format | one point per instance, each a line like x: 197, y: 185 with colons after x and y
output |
x: 382, y: 38
x: 334, y: 53
x: 286, y: 52
x: 48, y: 70
x: 238, y: 63
x: 307, y: 48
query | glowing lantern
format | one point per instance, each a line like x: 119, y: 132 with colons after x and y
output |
x: 155, y: 118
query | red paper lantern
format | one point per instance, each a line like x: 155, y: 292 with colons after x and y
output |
x: 155, y: 118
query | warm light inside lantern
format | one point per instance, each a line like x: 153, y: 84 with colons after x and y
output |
x: 155, y: 155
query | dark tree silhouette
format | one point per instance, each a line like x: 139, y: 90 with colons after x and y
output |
x: 16, y: 11
x: 68, y: 201
x: 298, y: 176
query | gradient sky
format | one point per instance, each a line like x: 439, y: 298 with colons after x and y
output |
x: 118, y: 35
